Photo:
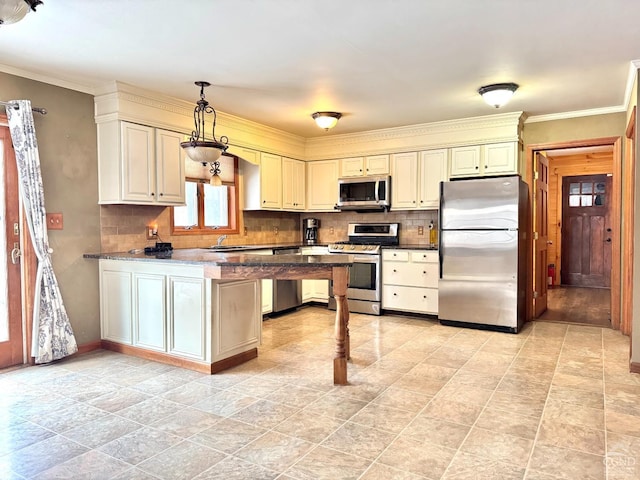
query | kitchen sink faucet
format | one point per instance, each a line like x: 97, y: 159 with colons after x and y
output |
x: 221, y: 239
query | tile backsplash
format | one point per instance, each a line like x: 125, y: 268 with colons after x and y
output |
x: 333, y: 226
x: 124, y: 227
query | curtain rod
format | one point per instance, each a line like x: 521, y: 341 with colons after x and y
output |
x: 43, y: 111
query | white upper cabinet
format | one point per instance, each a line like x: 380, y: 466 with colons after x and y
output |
x: 262, y: 183
x: 432, y: 169
x: 271, y: 180
x: 404, y: 181
x: 293, y: 184
x: 479, y: 160
x: 500, y: 158
x: 416, y: 177
x: 465, y: 161
x: 322, y: 185
x: 139, y: 165
x: 169, y: 167
x: 359, y: 166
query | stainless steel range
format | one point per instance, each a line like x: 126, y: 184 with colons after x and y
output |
x: 365, y: 241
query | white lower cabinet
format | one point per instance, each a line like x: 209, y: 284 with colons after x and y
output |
x: 410, y: 280
x: 173, y: 309
x: 149, y: 311
x: 116, y: 305
x: 236, y: 305
x: 315, y: 290
x: 187, y: 322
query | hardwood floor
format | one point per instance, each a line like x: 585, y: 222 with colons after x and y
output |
x: 579, y: 305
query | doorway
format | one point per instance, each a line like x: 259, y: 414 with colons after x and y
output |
x: 11, y: 332
x: 581, y: 268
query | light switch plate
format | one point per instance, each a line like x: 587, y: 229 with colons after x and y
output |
x: 54, y: 221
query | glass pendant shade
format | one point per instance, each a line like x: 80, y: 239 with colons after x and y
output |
x: 203, y: 152
x: 12, y: 11
x: 215, y: 181
x: 326, y: 120
x: 499, y: 94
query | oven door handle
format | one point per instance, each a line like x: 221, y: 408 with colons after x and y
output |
x: 377, y: 187
x: 365, y: 258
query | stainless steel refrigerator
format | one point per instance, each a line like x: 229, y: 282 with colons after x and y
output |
x: 483, y: 253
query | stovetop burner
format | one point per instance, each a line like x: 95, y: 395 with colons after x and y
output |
x: 367, y: 238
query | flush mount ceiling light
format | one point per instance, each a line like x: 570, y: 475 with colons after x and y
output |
x: 326, y: 120
x: 198, y: 148
x: 12, y: 11
x: 497, y: 94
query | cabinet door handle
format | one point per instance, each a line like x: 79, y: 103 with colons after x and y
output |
x: 395, y: 294
x: 476, y: 167
x: 153, y: 194
x: 424, y: 273
x: 394, y: 270
x: 162, y: 194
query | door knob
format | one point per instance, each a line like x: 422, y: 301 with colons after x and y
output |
x: 608, y: 240
x: 608, y: 229
x: 549, y: 242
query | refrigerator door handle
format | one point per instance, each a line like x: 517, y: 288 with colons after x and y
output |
x: 439, y: 226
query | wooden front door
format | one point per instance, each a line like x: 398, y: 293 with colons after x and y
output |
x: 541, y: 235
x: 586, y: 231
x: 11, y: 339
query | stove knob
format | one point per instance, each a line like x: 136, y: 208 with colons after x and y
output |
x: 353, y: 247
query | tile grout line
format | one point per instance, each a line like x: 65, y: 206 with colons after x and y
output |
x: 544, y: 408
x: 484, y: 407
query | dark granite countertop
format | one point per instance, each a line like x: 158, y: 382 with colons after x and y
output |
x: 202, y: 256
x: 411, y: 246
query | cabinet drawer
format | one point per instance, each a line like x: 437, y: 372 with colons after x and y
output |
x: 410, y: 299
x: 396, y: 255
x: 423, y: 256
x: 410, y: 274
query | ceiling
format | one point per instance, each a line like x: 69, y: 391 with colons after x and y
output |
x: 382, y: 63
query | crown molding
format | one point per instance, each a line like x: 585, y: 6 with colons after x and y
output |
x: 58, y: 82
x: 504, y: 127
x: 121, y: 101
x: 634, y: 65
x: 575, y: 114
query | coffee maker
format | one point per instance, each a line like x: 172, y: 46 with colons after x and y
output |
x: 310, y: 231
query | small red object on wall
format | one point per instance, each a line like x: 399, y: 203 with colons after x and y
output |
x: 551, y: 274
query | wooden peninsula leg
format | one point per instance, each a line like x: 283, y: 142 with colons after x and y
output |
x: 340, y: 281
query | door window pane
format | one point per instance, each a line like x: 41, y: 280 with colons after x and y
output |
x: 599, y: 200
x: 600, y: 187
x: 587, y: 187
x: 574, y: 200
x: 574, y: 188
x: 586, y: 200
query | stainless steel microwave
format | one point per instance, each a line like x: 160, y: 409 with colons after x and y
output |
x: 371, y: 193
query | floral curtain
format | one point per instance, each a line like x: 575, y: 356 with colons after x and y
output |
x: 52, y: 334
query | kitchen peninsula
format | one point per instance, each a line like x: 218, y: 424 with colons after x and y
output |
x: 201, y: 310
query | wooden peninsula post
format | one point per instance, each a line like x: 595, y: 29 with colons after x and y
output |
x: 340, y: 282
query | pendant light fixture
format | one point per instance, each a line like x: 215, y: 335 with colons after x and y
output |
x: 12, y: 11
x: 326, y: 120
x: 198, y: 148
x: 497, y: 94
x: 215, y: 180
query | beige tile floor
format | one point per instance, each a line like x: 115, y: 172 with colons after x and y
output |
x: 424, y: 402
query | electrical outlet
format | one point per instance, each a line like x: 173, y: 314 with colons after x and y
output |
x: 276, y: 230
x: 420, y: 230
x: 331, y: 230
x: 152, y: 232
x: 245, y: 231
